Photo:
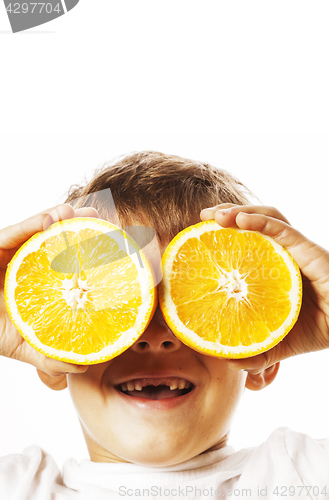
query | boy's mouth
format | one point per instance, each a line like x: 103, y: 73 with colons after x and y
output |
x: 151, y: 388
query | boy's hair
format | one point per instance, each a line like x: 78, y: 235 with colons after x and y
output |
x: 162, y: 191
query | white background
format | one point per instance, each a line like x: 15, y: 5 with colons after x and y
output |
x: 243, y: 85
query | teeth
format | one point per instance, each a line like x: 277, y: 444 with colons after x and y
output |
x: 138, y: 385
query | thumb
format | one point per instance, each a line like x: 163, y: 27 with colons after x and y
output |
x: 312, y: 259
x: 254, y: 364
x: 57, y: 383
x: 17, y: 234
x: 51, y: 367
x: 261, y: 362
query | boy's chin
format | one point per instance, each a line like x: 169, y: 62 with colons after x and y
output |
x: 158, y: 454
x: 165, y: 455
x: 153, y: 451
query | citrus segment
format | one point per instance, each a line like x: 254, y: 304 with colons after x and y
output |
x: 82, y: 291
x: 229, y: 292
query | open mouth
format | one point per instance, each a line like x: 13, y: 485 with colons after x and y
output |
x: 156, y: 388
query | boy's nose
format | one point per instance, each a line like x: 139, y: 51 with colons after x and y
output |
x: 157, y: 337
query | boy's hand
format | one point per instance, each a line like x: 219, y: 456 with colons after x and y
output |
x: 311, y: 331
x: 12, y: 344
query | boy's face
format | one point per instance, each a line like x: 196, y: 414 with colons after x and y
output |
x: 156, y: 427
x: 162, y: 431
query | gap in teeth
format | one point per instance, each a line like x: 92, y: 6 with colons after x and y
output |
x: 139, y: 385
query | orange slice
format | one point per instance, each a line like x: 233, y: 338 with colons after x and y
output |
x: 82, y: 291
x: 229, y: 293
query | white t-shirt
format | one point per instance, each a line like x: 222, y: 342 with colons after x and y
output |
x: 287, y: 465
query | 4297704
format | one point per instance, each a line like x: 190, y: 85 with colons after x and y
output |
x: 36, y: 8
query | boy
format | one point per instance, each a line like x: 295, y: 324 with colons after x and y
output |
x: 164, y: 448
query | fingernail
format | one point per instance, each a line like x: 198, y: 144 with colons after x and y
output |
x: 208, y: 209
x: 225, y: 210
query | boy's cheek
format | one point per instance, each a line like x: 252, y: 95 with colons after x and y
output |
x: 84, y: 386
x: 224, y: 392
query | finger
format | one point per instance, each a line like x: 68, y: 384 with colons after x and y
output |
x: 15, y: 235
x: 208, y: 213
x: 57, y: 214
x: 312, y: 259
x: 226, y: 214
x: 56, y: 368
x: 12, y: 236
x: 86, y: 212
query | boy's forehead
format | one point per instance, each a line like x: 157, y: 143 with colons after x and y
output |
x: 147, y: 239
x: 154, y: 251
x: 142, y: 231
